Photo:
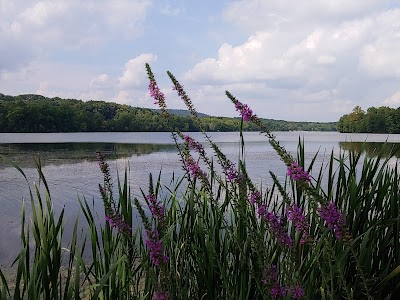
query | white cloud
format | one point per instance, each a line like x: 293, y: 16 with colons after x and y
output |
x: 100, y: 81
x: 273, y: 14
x: 380, y: 54
x: 393, y: 100
x: 135, y: 73
x: 170, y: 10
x: 43, y: 88
x: 318, y: 57
x: 295, y: 60
x: 31, y: 30
x: 326, y: 59
x: 43, y: 12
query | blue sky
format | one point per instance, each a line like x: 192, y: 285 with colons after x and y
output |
x: 304, y: 60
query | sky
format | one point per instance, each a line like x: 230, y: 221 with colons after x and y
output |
x: 303, y: 60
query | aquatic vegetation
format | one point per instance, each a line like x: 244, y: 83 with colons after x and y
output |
x: 326, y: 232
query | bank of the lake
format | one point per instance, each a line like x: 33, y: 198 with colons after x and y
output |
x: 69, y: 164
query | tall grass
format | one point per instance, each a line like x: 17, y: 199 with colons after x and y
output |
x: 330, y: 231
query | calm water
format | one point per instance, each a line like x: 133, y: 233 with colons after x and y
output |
x: 70, y: 166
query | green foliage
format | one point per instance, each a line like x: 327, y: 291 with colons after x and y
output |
x: 214, y: 234
x: 376, y: 120
x: 34, y: 113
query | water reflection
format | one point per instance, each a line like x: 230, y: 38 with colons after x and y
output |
x: 373, y: 149
x: 67, y: 153
x: 71, y: 168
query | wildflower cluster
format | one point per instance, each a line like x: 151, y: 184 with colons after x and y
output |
x: 194, y: 168
x: 255, y: 197
x: 161, y: 295
x: 155, y: 92
x: 156, y: 208
x: 231, y: 172
x: 155, y: 245
x: 333, y: 218
x: 198, y: 147
x: 245, y: 111
x: 276, y: 289
x: 295, y: 214
x: 276, y: 223
x: 106, y: 188
x: 158, y: 96
x: 117, y: 221
x: 297, y: 173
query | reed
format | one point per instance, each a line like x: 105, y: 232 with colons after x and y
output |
x: 328, y: 231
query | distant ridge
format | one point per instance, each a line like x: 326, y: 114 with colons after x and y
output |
x: 36, y: 113
x: 184, y: 112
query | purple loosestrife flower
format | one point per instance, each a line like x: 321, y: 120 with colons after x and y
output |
x: 270, y: 275
x: 278, y: 290
x: 160, y: 295
x: 158, y: 96
x: 194, y: 145
x: 295, y: 214
x: 231, y: 173
x: 156, y: 208
x: 333, y: 218
x: 105, y: 169
x: 297, y: 173
x: 276, y: 225
x: 255, y: 197
x: 245, y: 111
x: 118, y: 222
x: 155, y: 246
x: 297, y: 292
x: 194, y: 168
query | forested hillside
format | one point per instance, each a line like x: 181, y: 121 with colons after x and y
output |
x: 35, y: 113
x: 376, y: 120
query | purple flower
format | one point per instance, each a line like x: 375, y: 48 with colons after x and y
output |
x: 198, y: 147
x: 194, y: 168
x: 255, y: 197
x: 231, y: 173
x: 157, y: 95
x: 295, y: 214
x: 278, y: 290
x: 297, y: 173
x: 333, y: 217
x: 297, y: 292
x: 270, y: 275
x: 155, y: 246
x: 118, y: 222
x: 245, y: 111
x: 156, y: 208
x: 160, y: 295
x: 276, y: 225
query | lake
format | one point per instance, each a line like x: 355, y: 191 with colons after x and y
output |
x: 70, y: 166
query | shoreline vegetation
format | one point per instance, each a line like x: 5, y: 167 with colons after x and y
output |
x: 329, y: 232
x: 35, y: 113
x: 376, y: 120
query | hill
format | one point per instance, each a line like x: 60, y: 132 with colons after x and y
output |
x: 36, y: 113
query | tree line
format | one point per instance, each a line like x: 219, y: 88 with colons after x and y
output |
x: 35, y: 113
x: 376, y: 120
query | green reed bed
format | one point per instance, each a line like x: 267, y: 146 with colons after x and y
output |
x: 326, y: 232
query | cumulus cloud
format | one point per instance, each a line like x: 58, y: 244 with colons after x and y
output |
x: 325, y: 55
x: 169, y: 10
x: 100, y: 81
x: 135, y: 73
x: 273, y: 14
x: 393, y: 100
x: 31, y: 29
